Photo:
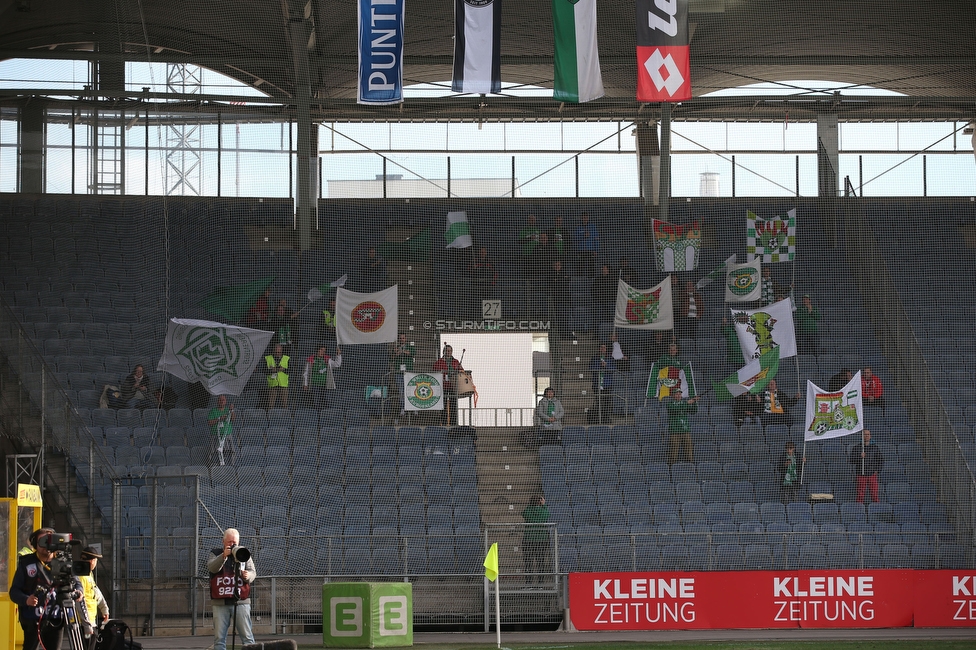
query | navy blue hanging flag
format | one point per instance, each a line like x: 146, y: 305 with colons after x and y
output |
x: 477, y: 46
x: 381, y: 51
x: 663, y: 60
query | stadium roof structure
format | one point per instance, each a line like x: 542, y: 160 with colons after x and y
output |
x: 924, y: 50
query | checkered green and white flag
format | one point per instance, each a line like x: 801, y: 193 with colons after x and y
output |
x: 221, y: 357
x: 774, y: 240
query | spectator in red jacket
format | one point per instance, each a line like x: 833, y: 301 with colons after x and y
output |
x: 872, y: 390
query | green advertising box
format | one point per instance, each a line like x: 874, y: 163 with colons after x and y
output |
x: 367, y: 614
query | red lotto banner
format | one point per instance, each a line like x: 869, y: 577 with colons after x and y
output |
x: 771, y: 599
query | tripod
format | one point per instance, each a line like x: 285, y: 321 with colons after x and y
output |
x: 70, y: 617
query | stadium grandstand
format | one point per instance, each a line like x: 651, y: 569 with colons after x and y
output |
x: 213, y: 160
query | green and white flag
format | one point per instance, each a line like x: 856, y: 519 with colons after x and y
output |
x: 576, y: 59
x: 761, y: 330
x: 743, y: 282
x: 772, y: 240
x: 458, y: 233
x: 751, y: 378
x: 718, y: 272
x: 423, y: 391
x: 832, y: 414
x: 221, y: 357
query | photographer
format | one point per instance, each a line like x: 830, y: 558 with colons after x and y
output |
x: 40, y: 610
x: 231, y: 574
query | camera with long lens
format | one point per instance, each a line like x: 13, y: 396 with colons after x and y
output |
x: 240, y: 553
x: 67, y: 563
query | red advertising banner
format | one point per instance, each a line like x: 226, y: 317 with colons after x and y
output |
x: 741, y: 600
x: 945, y: 598
x: 663, y: 73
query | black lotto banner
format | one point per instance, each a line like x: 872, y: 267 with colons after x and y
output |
x: 663, y: 59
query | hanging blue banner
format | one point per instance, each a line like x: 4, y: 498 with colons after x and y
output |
x: 381, y: 51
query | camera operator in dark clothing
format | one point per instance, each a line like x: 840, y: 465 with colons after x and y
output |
x: 231, y: 574
x: 35, y: 590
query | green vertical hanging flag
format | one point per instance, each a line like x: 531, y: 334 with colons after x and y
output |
x: 576, y: 58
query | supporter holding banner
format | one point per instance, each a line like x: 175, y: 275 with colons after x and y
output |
x: 676, y: 247
x: 477, y: 46
x: 743, y: 282
x: 648, y: 309
x: 381, y: 52
x: 220, y: 357
x: 366, y: 317
x: 771, y: 240
x: 576, y: 59
x: 832, y: 414
x: 761, y: 330
x: 663, y: 52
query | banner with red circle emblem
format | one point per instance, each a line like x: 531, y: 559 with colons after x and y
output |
x: 366, y: 317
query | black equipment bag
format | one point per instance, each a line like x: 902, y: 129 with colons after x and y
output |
x: 112, y: 636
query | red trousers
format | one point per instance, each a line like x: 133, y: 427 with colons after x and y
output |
x: 864, y: 482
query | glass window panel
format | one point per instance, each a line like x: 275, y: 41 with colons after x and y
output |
x: 608, y: 175
x: 598, y: 136
x: 58, y: 171
x: 423, y: 176
x: 696, y: 136
x: 533, y: 136
x: 765, y: 175
x: 964, y: 141
x: 542, y: 175
x: 800, y: 136
x: 951, y: 174
x: 867, y: 137
x: 481, y: 175
x: 359, y: 137
x: 418, y: 136
x: 352, y: 176
x: 43, y: 73
x: 686, y: 171
x: 475, y: 137
x: 749, y: 136
x: 884, y: 176
x: 916, y: 136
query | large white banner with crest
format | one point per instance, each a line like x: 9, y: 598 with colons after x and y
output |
x: 761, y: 330
x: 832, y: 414
x: 221, y: 357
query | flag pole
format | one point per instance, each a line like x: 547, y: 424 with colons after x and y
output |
x: 803, y: 467
x: 498, y: 614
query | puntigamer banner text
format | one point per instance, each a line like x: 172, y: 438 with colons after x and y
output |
x: 772, y: 599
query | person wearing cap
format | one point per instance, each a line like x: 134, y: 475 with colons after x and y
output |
x: 96, y: 608
x: 806, y: 326
x: 40, y: 616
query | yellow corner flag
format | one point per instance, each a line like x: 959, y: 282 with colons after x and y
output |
x: 491, y: 563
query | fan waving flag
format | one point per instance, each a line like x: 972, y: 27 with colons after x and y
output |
x: 669, y: 378
x: 576, y: 58
x: 761, y: 330
x: 221, y: 357
x: 649, y: 309
x: 366, y: 317
x: 718, y: 273
x: 663, y: 53
x: 458, y: 233
x: 477, y: 46
x: 380, y: 52
x: 676, y: 246
x: 743, y: 282
x: 832, y: 414
x: 752, y: 378
x: 772, y: 240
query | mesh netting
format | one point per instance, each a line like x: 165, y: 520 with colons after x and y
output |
x: 350, y: 481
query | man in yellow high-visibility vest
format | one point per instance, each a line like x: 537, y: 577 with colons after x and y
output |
x: 277, y: 377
